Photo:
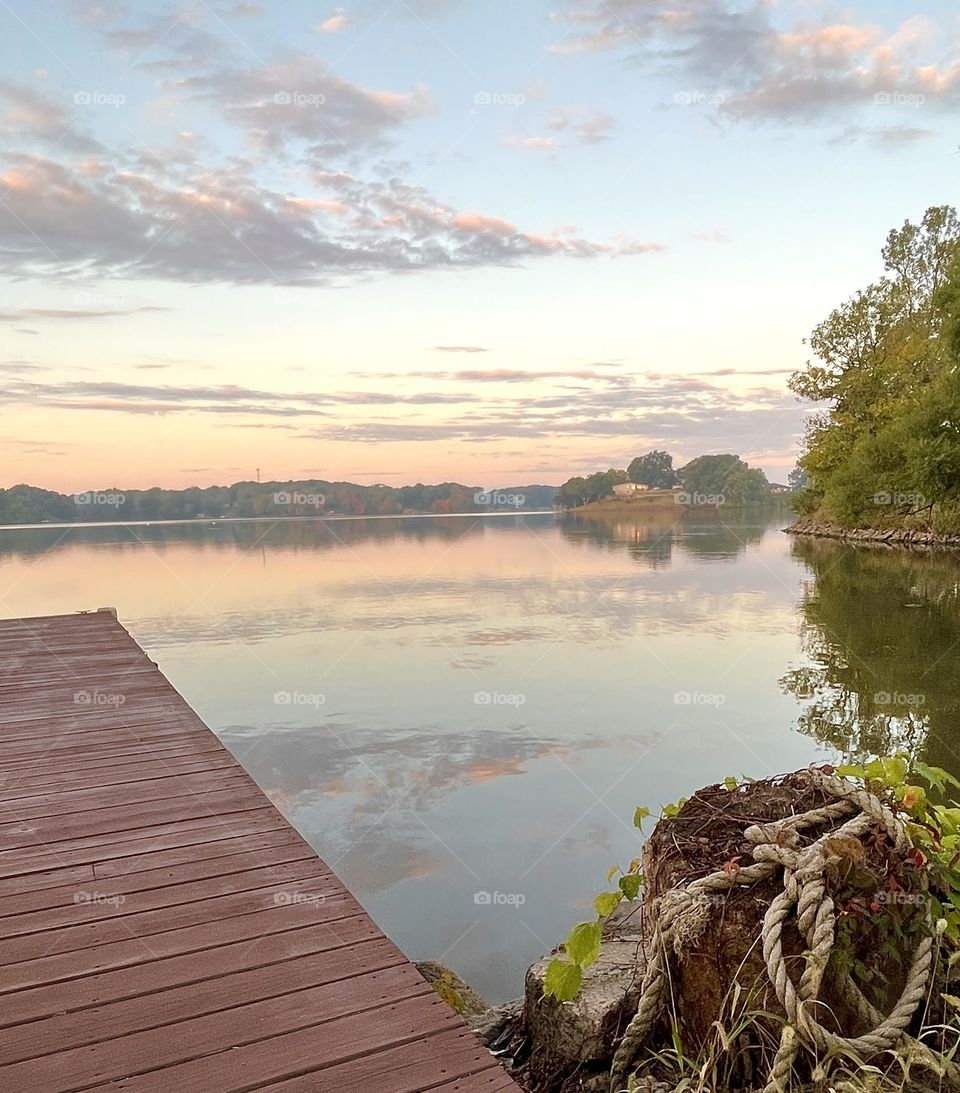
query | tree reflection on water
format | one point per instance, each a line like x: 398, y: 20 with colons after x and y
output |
x: 881, y: 629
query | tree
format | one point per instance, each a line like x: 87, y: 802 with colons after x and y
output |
x: 579, y: 491
x: 798, y: 479
x: 708, y: 474
x: 655, y: 469
x: 746, y: 487
x: 887, y: 447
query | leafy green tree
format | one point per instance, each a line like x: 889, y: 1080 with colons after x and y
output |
x: 708, y: 474
x: 887, y: 447
x: 746, y: 487
x: 579, y: 491
x: 655, y: 469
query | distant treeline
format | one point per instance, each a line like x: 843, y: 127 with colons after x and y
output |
x: 32, y: 505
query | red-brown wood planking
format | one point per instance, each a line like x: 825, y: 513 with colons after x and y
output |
x: 161, y: 925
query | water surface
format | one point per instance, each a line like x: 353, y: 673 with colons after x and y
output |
x: 461, y: 714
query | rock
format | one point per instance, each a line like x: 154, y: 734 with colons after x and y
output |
x: 910, y: 537
x: 570, y: 1037
x: 490, y: 1025
x: 452, y: 989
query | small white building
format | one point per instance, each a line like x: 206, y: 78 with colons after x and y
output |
x: 629, y: 489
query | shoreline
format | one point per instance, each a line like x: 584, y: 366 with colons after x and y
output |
x: 902, y: 537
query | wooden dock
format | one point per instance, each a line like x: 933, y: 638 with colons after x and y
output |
x: 162, y: 927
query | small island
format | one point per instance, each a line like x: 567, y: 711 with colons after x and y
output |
x: 650, y: 482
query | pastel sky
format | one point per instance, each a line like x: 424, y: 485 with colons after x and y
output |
x: 496, y: 242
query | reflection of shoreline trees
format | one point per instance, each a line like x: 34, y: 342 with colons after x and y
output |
x: 274, y: 534
x: 651, y: 540
x: 882, y: 629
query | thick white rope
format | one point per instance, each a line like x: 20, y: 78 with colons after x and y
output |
x: 682, y: 914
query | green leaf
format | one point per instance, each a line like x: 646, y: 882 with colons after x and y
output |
x: 935, y: 776
x: 895, y: 769
x: 850, y: 771
x: 631, y: 884
x: 730, y: 783
x: 562, y: 980
x: 583, y: 943
x: 612, y: 872
x: 639, y: 816
x: 606, y: 903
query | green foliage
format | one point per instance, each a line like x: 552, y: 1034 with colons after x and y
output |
x: 563, y: 980
x: 727, y: 477
x: 933, y: 827
x: 716, y: 476
x: 708, y: 474
x: 639, y: 815
x: 655, y: 469
x: 595, y: 487
x: 887, y: 450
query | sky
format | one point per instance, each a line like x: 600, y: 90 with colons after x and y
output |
x: 430, y: 240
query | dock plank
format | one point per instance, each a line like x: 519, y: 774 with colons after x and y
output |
x: 161, y: 925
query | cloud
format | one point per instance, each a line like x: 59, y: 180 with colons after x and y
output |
x: 695, y: 412
x: 501, y: 375
x: 334, y: 23
x: 538, y: 144
x: 35, y: 313
x: 244, y: 10
x: 141, y: 398
x: 714, y: 235
x: 741, y: 63
x: 169, y: 39
x: 298, y: 99
x: 584, y: 126
x: 460, y: 349
x: 588, y: 127
x: 884, y: 138
x: 29, y: 119
x: 209, y: 225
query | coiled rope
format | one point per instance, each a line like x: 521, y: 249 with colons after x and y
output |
x: 683, y: 914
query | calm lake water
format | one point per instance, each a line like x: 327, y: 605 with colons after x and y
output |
x: 461, y: 714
